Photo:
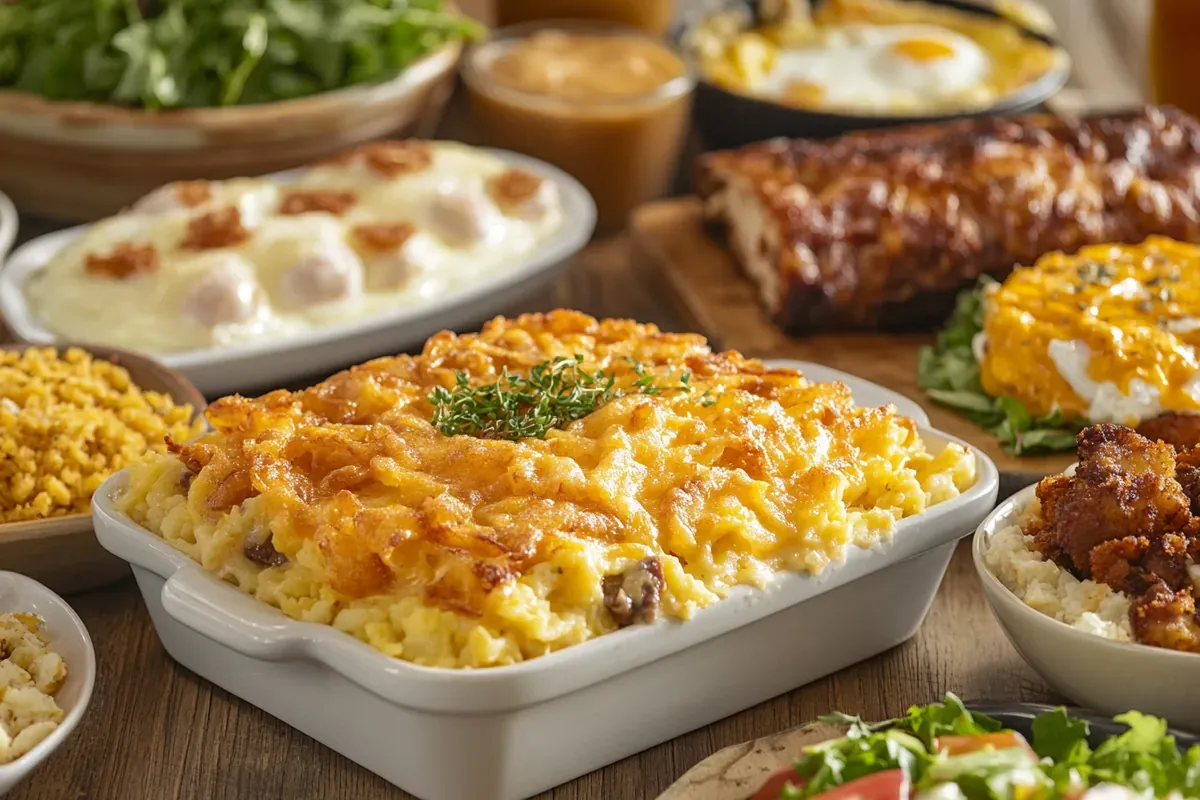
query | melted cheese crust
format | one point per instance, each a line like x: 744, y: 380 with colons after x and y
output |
x: 465, y: 552
x: 1115, y: 320
x: 388, y: 226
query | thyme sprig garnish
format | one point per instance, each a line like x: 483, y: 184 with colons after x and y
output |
x: 555, y: 393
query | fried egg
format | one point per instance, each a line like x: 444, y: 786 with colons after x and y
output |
x: 889, y: 66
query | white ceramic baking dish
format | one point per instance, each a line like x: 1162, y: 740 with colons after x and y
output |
x: 510, y: 732
x: 269, y: 364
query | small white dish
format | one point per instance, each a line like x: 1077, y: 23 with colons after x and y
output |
x: 322, y: 351
x: 69, y: 638
x: 8, y: 225
x: 537, y: 724
x: 1094, y: 672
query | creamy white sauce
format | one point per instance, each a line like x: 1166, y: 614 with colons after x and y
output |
x: 861, y: 66
x: 1106, y: 402
x: 461, y: 238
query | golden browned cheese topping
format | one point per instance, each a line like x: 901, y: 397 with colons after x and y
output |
x: 220, y: 228
x: 585, y: 67
x: 303, y: 202
x: 126, y: 260
x: 512, y: 187
x: 383, y: 237
x: 1108, y: 314
x: 357, y: 465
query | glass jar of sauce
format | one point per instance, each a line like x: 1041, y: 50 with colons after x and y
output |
x: 608, y: 104
x: 1174, y: 54
x: 652, y: 16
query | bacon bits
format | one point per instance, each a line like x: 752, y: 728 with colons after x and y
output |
x: 220, y: 228
x: 192, y: 193
x: 513, y: 187
x: 393, y: 159
x: 304, y: 202
x: 383, y: 237
x: 126, y: 260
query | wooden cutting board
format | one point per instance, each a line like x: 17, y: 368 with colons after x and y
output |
x: 737, y: 772
x: 716, y: 300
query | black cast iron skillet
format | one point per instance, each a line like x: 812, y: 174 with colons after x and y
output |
x: 727, y: 119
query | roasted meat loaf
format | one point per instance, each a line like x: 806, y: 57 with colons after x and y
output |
x: 882, y: 229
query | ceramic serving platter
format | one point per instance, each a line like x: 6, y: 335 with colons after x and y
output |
x: 251, y: 367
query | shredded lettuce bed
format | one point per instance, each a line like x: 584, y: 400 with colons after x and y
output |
x: 949, y: 374
x: 1145, y: 758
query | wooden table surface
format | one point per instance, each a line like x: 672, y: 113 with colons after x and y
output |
x: 155, y: 731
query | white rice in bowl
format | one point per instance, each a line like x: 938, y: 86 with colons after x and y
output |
x: 1046, y: 587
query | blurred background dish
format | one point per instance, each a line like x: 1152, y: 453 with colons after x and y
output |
x: 861, y: 64
x: 262, y: 362
x: 102, y: 116
x: 1172, y: 55
x: 56, y: 545
x: 69, y: 639
x: 607, y: 103
x: 652, y: 16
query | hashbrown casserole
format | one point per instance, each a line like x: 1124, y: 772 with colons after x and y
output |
x: 345, y: 504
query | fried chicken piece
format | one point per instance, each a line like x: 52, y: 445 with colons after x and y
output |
x: 1135, y: 563
x: 1165, y: 618
x: 1178, y: 430
x: 1123, y: 487
x: 1187, y: 475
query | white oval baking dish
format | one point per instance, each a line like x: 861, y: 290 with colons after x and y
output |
x: 537, y: 724
x: 246, y: 367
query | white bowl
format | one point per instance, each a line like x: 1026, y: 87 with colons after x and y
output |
x: 531, y: 726
x: 1096, y: 673
x: 8, y: 225
x: 70, y: 640
x: 251, y: 365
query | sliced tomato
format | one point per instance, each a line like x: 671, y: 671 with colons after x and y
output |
x: 774, y: 785
x: 957, y: 745
x: 890, y: 785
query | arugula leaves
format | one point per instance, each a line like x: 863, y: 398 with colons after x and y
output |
x: 160, y: 54
x: 949, y: 374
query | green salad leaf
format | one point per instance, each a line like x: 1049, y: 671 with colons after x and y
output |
x: 949, y: 374
x: 162, y: 54
x: 1144, y: 758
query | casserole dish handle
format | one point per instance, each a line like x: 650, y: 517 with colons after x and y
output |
x: 233, y: 619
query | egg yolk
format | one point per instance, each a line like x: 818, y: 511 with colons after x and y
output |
x: 803, y: 93
x: 1135, y: 307
x: 922, y: 50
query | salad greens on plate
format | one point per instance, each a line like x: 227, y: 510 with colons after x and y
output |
x: 943, y: 751
x: 162, y: 54
x: 949, y: 374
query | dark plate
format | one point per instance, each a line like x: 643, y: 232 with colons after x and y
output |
x: 727, y: 119
x: 1019, y: 717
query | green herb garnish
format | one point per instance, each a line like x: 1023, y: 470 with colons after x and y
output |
x: 949, y: 374
x: 160, y: 54
x: 555, y: 393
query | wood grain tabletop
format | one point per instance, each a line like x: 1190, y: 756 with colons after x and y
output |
x: 155, y: 731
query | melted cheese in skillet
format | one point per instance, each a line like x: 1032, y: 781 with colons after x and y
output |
x: 293, y: 272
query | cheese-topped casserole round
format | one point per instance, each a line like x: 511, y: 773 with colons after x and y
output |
x: 210, y: 264
x: 548, y: 480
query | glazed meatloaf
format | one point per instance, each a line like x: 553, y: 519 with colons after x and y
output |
x: 880, y: 230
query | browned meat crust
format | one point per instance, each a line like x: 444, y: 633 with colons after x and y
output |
x: 881, y: 229
x: 1124, y: 519
x: 1178, y: 430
